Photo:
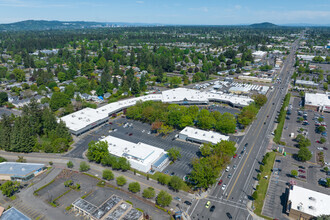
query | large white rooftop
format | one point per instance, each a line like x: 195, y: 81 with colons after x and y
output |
x: 309, y: 201
x: 140, y: 153
x: 205, y: 136
x: 88, y: 116
x: 317, y: 99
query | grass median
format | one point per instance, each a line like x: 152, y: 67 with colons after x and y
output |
x: 263, y: 184
x: 281, y: 119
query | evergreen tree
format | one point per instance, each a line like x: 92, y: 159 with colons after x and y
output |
x: 135, y: 87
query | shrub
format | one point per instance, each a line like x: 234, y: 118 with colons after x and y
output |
x: 69, y: 164
x: 121, y: 180
x: 134, y: 187
x: 108, y: 175
x: 84, y: 166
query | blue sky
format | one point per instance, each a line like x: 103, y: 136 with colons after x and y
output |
x: 205, y: 12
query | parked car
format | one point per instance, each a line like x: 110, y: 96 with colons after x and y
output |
x: 208, y: 204
x: 219, y: 183
x: 212, y: 208
x: 177, y: 198
x: 187, y: 202
x: 228, y: 168
x: 229, y: 176
x: 235, y: 156
x: 224, y: 186
x: 302, y: 171
x: 229, y: 215
x: 302, y: 176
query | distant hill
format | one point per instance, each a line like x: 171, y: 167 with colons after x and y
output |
x: 263, y: 25
x: 33, y: 25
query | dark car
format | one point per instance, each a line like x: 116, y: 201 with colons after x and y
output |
x: 229, y: 215
x: 187, y: 202
x: 302, y: 176
x: 130, y: 134
x: 212, y: 208
x: 172, y: 174
x: 325, y: 148
x: 246, y: 144
x: 302, y: 171
x: 301, y: 167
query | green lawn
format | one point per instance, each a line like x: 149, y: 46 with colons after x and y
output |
x: 281, y: 119
x: 263, y: 184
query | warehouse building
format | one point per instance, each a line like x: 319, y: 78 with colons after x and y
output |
x: 86, y: 119
x: 317, y: 102
x: 306, y: 204
x: 141, y: 156
x: 259, y: 54
x: 201, y: 136
x: 20, y: 171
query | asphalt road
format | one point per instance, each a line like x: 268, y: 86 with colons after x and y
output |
x: 235, y: 197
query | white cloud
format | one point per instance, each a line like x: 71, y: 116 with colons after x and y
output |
x: 140, y: 2
x: 238, y: 7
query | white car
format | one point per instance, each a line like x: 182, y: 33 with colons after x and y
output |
x: 223, y: 186
x: 227, y: 169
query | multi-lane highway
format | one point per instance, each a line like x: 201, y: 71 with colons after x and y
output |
x: 234, y: 198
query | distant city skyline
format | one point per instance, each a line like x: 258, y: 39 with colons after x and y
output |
x: 185, y: 12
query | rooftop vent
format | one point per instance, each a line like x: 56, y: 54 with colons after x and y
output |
x: 312, y: 198
x: 311, y: 207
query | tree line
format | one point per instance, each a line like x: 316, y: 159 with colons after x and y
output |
x: 163, y: 115
x: 37, y: 129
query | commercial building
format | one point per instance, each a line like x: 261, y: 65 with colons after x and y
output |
x: 308, y: 57
x: 317, y: 102
x: 113, y: 208
x: 141, y: 156
x: 305, y: 204
x: 256, y: 79
x: 88, y: 118
x: 306, y: 83
x: 20, y: 171
x: 13, y: 214
x: 201, y: 136
x: 259, y: 54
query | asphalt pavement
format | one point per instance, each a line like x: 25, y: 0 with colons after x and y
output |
x: 235, y: 197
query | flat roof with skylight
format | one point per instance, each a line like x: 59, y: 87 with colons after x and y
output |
x: 309, y: 201
x: 202, y: 136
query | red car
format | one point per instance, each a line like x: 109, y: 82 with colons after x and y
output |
x: 318, y: 142
x: 219, y: 183
x: 302, y: 171
x: 235, y: 156
x: 130, y: 134
x: 302, y: 176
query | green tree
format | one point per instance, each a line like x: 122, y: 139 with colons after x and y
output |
x: 61, y: 76
x: 163, y: 198
x: 19, y: 75
x: 304, y: 154
x: 107, y: 174
x: 69, y: 164
x: 134, y: 187
x: 121, y: 180
x: 3, y: 98
x: 58, y: 100
x: 162, y: 179
x: 260, y: 99
x: 149, y: 193
x: 320, y: 129
x: 323, y: 140
x: 2, y: 159
x: 185, y: 121
x: 84, y: 166
x: 176, y: 183
x: 165, y: 129
x: 9, y: 188
x: 174, y: 153
x: 294, y: 173
x: 135, y: 89
x: 97, y: 150
x: 226, y: 124
x: 323, y: 217
x: 123, y: 163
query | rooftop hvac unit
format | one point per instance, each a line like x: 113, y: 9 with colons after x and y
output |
x: 212, y: 136
x: 312, y: 198
x: 203, y: 134
x: 311, y: 207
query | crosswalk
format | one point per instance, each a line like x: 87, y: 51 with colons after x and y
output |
x: 27, y: 210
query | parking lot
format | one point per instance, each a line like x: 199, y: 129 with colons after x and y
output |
x: 140, y: 132
x: 295, y: 127
x: 276, y: 198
